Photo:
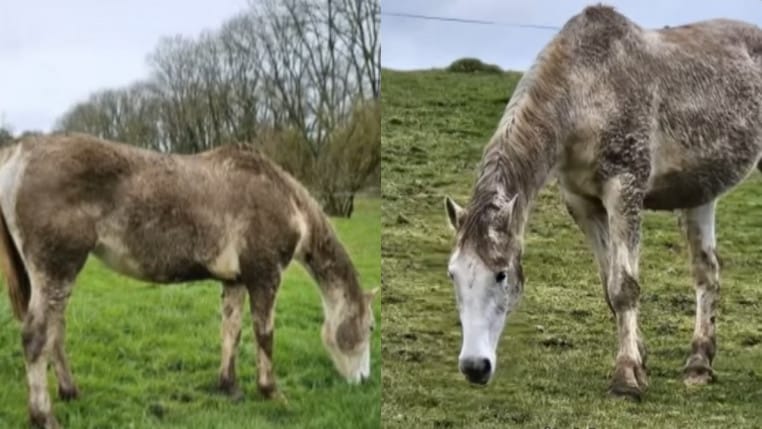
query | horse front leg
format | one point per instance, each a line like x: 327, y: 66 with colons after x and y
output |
x: 590, y: 216
x: 623, y: 201
x: 699, y: 230
x: 233, y: 297
x: 262, y: 297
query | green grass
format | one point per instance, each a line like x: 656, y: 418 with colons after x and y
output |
x: 147, y: 356
x: 557, y: 350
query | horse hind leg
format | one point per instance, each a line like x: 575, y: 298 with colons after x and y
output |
x: 233, y: 297
x: 698, y: 224
x: 42, y: 333
x: 67, y: 388
x: 262, y: 298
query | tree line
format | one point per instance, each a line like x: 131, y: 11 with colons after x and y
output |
x: 298, y: 78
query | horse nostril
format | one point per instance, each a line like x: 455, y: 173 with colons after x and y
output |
x: 476, y: 370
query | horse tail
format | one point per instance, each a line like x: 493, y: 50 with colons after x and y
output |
x: 16, y: 276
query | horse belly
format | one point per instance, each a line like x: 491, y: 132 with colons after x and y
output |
x: 118, y: 259
x: 115, y: 255
x: 681, y: 191
x: 694, y: 184
x: 165, y: 258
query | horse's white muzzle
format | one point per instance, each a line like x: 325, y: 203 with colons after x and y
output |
x: 477, y: 356
x: 362, y: 374
x: 478, y: 370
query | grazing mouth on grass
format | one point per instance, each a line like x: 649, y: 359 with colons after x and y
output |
x: 478, y: 382
x: 477, y: 370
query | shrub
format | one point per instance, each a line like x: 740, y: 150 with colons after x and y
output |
x: 473, y: 65
x: 351, y: 159
x: 349, y: 162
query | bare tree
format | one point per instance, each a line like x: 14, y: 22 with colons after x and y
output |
x: 293, y: 76
x: 362, y: 37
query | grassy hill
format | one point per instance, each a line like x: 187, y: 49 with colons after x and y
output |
x: 147, y: 356
x: 558, y: 349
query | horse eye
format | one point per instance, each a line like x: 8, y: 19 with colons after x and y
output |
x: 449, y: 274
x: 500, y: 276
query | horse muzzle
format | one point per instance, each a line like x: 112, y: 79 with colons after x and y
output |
x: 478, y: 370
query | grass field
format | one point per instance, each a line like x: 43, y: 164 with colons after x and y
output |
x: 557, y: 350
x: 147, y: 356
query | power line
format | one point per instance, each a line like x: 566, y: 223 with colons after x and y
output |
x: 468, y: 21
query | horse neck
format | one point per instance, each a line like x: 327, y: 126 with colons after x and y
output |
x: 329, y: 264
x: 524, y: 150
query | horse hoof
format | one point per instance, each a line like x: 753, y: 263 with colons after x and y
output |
x: 629, y: 379
x: 233, y: 393
x: 44, y: 422
x: 280, y: 398
x: 231, y: 390
x: 626, y: 391
x: 69, y: 394
x: 236, y: 395
x: 698, y: 371
x: 698, y: 375
x: 269, y: 391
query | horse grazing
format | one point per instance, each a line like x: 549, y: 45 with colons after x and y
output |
x: 627, y: 119
x: 228, y: 214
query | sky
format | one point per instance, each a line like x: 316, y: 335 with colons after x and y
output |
x: 54, y: 53
x: 408, y: 44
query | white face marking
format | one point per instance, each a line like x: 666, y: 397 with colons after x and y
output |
x: 483, y: 304
x: 356, y: 367
x: 353, y: 365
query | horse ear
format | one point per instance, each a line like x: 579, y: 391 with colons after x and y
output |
x: 455, y: 213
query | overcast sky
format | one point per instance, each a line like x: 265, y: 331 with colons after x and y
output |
x: 54, y: 53
x: 417, y: 44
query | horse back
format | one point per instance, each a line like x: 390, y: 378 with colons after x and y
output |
x: 158, y: 217
x: 681, y: 107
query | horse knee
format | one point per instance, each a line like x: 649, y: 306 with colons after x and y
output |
x: 34, y: 336
x: 707, y: 270
x: 704, y: 346
x: 625, y: 293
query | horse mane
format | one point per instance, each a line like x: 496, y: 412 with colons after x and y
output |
x: 520, y: 151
